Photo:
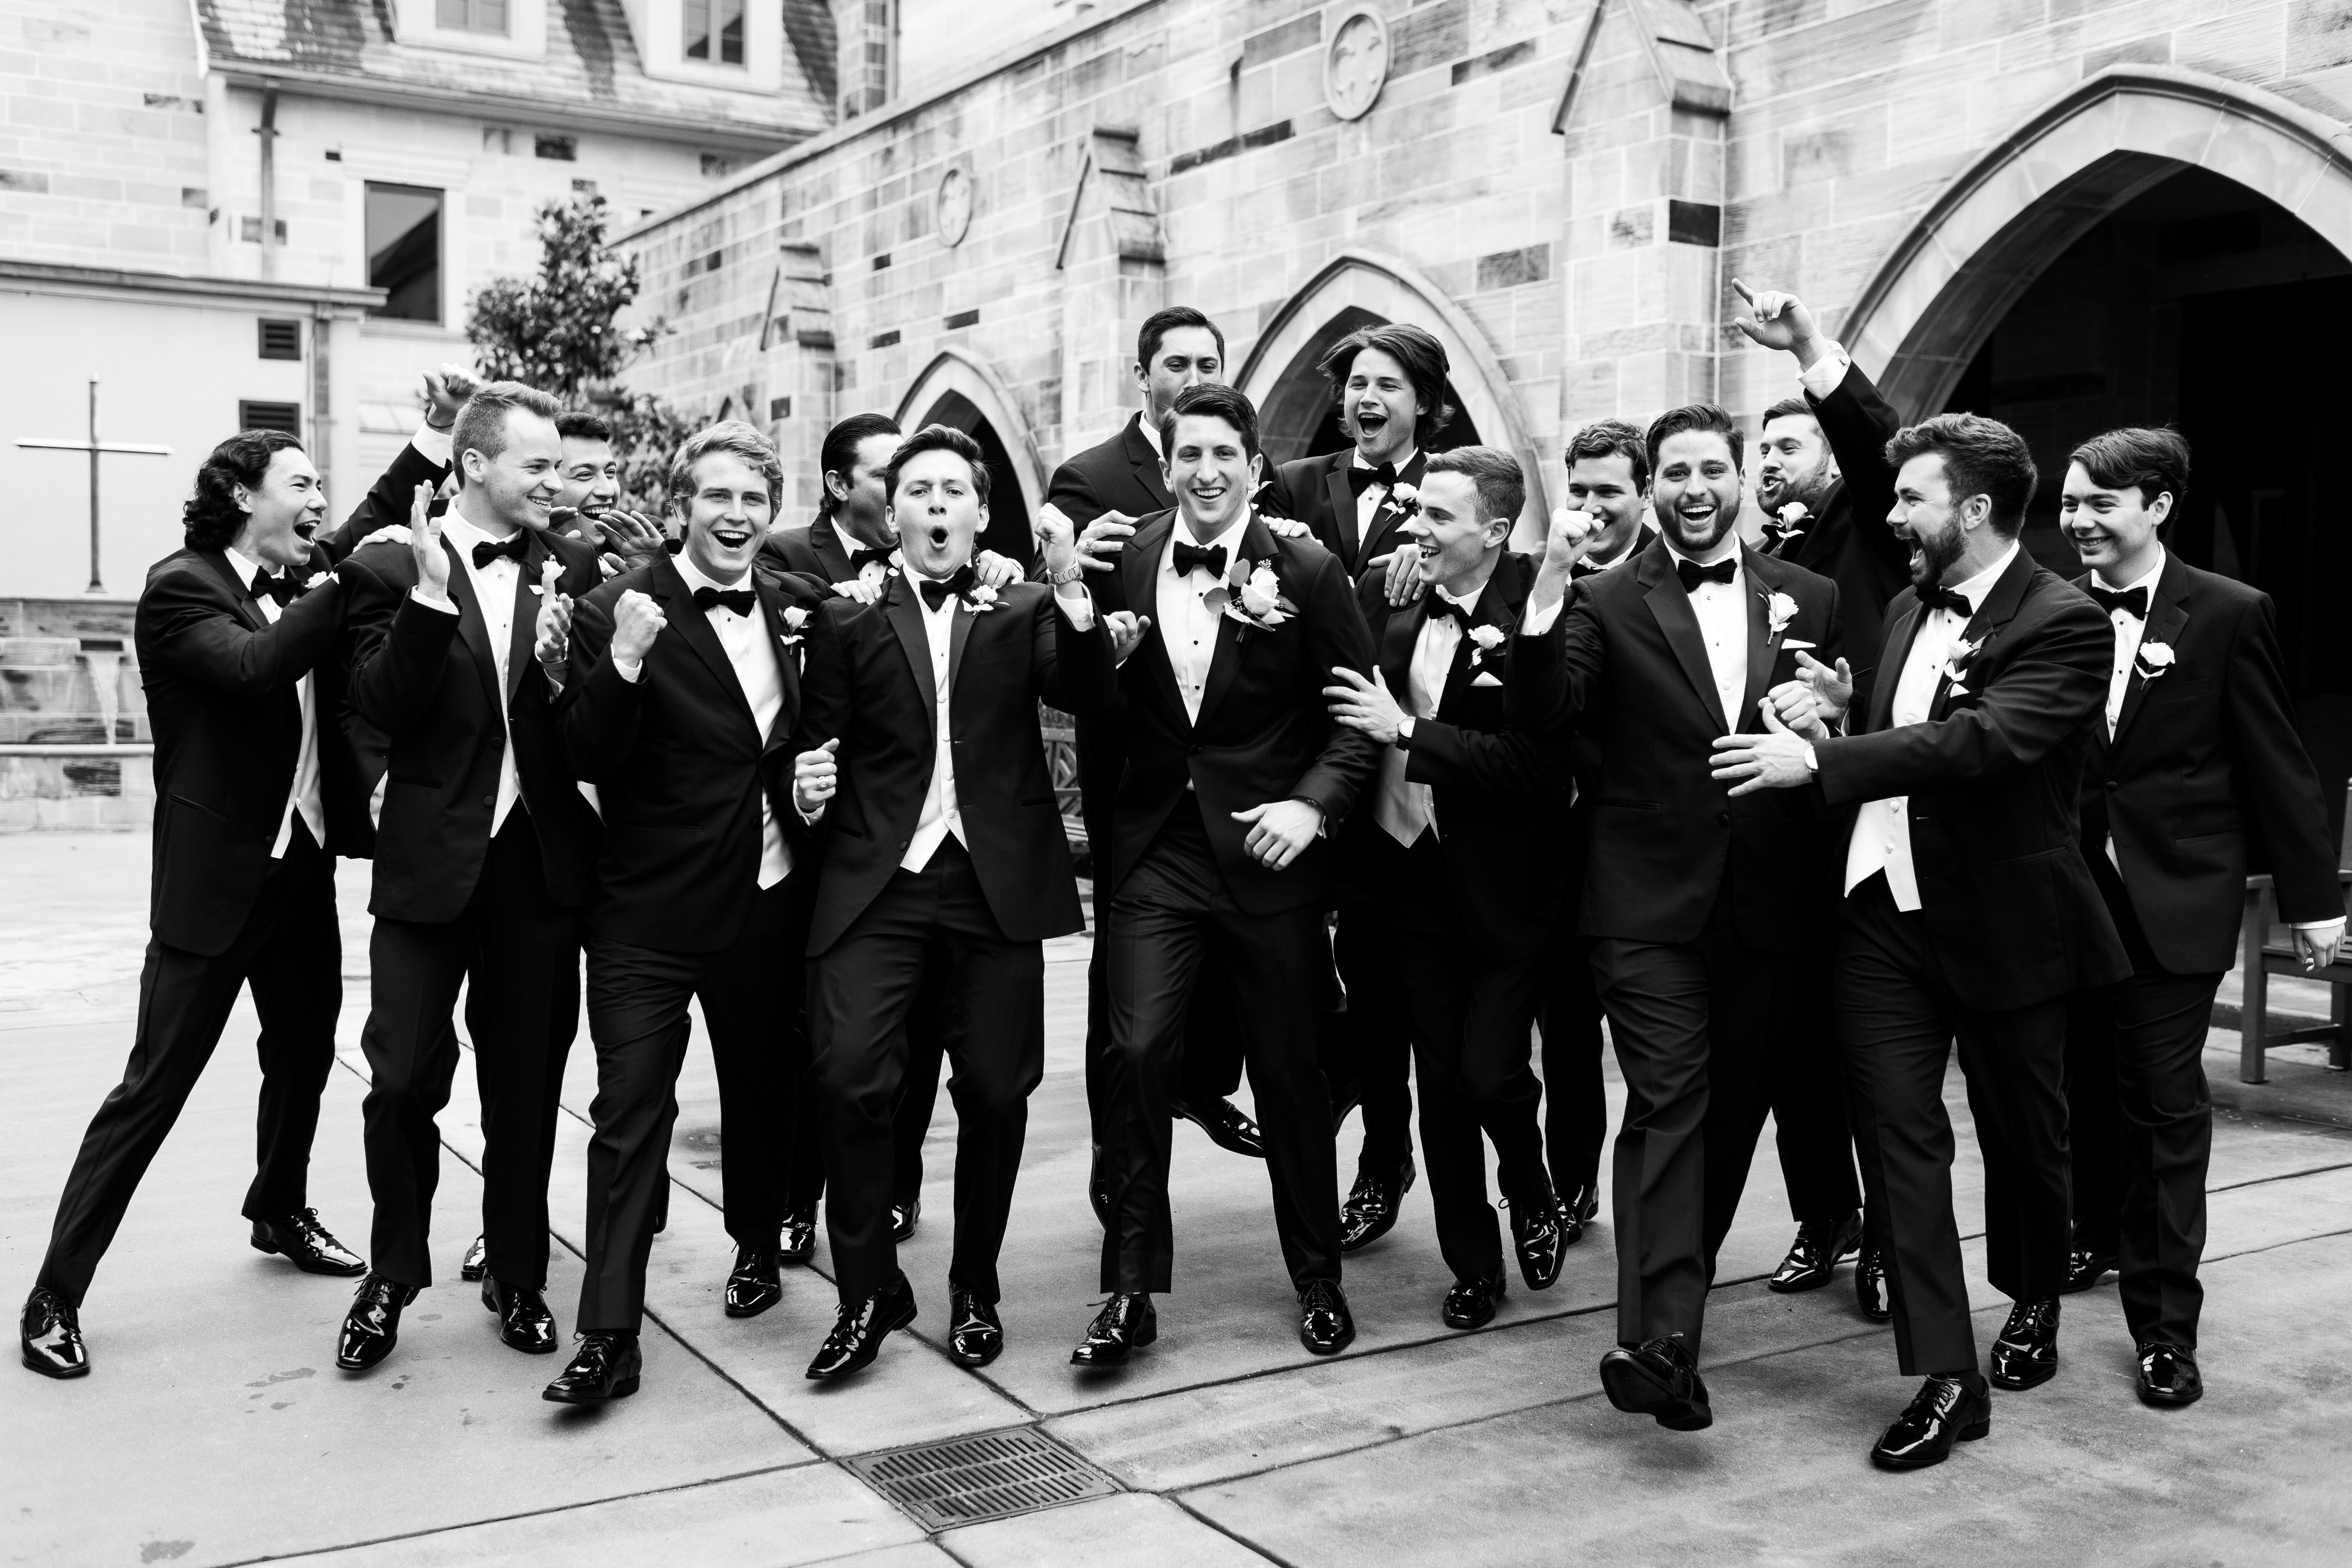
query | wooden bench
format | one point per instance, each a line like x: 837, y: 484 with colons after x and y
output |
x: 2268, y: 947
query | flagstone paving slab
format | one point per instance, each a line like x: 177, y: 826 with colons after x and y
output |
x: 1108, y: 1532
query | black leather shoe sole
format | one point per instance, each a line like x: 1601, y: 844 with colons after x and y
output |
x: 307, y: 1261
x: 1634, y: 1388
x: 1241, y: 1137
x: 2031, y: 1375
x: 47, y: 1368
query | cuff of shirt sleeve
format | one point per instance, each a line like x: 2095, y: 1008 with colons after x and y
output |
x: 445, y: 605
x: 629, y: 669
x: 1538, y: 622
x: 433, y: 444
x: 1827, y: 371
x: 1080, y: 611
x: 2336, y: 924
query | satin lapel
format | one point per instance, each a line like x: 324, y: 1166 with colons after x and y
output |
x: 1499, y: 606
x: 1343, y: 511
x: 1146, y: 463
x: 2164, y: 620
x: 1671, y: 605
x: 1900, y: 634
x: 240, y: 592
x: 1386, y: 522
x: 1998, y: 610
x: 904, y: 606
x: 679, y: 611
x: 472, y: 628
x: 824, y: 538
x: 1397, y: 639
x: 1762, y: 654
x: 1139, y: 580
x: 1224, y: 660
x: 960, y: 633
x: 773, y: 602
x: 522, y: 637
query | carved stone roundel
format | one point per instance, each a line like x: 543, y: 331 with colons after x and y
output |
x: 1356, y: 63
x: 951, y: 211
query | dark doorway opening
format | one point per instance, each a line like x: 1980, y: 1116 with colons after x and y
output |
x: 1007, y: 532
x: 2201, y: 305
x: 1301, y: 416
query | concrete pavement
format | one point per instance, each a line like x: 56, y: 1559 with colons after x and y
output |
x: 214, y: 1430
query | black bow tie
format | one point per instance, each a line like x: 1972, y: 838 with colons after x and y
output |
x: 739, y: 600
x: 512, y: 548
x: 1362, y: 479
x: 281, y: 587
x: 1693, y: 574
x: 1942, y: 598
x: 936, y: 590
x: 863, y: 553
x: 2132, y: 602
x: 1442, y: 608
x: 1188, y: 556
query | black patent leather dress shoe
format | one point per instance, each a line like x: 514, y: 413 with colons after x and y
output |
x: 2026, y: 1354
x: 2169, y: 1376
x: 800, y: 1237
x: 524, y: 1322
x: 1128, y: 1322
x: 476, y: 1265
x: 904, y: 1217
x: 1814, y: 1256
x: 1945, y: 1410
x: 975, y: 1334
x: 858, y: 1332
x: 1540, y: 1241
x: 305, y: 1244
x: 1471, y: 1304
x: 1575, y: 1212
x: 1872, y: 1291
x: 2086, y: 1268
x: 1326, y: 1327
x: 1658, y: 1379
x: 607, y: 1366
x: 48, y: 1334
x: 1227, y: 1128
x: 755, y: 1285
x: 372, y: 1326
x: 1370, y: 1211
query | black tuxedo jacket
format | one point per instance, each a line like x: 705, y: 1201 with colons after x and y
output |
x: 1315, y: 491
x: 1265, y: 732
x: 1121, y: 474
x: 429, y: 681
x: 1850, y: 542
x: 1499, y: 792
x: 1642, y: 540
x: 679, y: 763
x: 1627, y: 666
x: 820, y: 551
x: 1992, y: 779
x: 868, y: 685
x: 2205, y: 778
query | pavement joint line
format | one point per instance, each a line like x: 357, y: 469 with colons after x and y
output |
x: 1236, y: 1537
x: 2281, y: 1176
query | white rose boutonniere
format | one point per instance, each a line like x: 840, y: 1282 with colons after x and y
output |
x: 1956, y: 664
x: 796, y: 619
x: 1486, y: 640
x: 1779, y: 610
x: 2153, y: 660
x: 1790, y: 523
x: 1257, y: 601
x: 982, y: 599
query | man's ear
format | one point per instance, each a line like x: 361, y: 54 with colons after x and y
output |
x: 244, y: 501
x: 2160, y: 509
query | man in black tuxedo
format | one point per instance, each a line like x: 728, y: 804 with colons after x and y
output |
x: 1442, y: 863
x: 485, y: 852
x: 945, y: 868
x: 683, y: 689
x: 851, y: 539
x: 1697, y: 905
x: 588, y: 495
x: 1102, y: 491
x: 257, y: 789
x: 1969, y: 910
x: 1218, y: 862
x: 2196, y: 776
x: 1390, y: 384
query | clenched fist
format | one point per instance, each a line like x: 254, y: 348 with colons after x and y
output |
x: 814, y: 778
x: 636, y: 622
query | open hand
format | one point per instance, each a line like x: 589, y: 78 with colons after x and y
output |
x: 636, y: 622
x: 1832, y: 687
x: 866, y: 588
x: 1286, y: 527
x: 1280, y: 830
x: 1101, y: 540
x: 1403, y: 584
x: 631, y: 536
x: 1774, y: 760
x: 551, y: 633
x: 814, y: 778
x: 1365, y: 706
x: 425, y: 547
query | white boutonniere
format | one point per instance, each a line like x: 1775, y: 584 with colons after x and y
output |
x: 1957, y: 662
x: 1790, y: 523
x: 796, y: 619
x: 1779, y: 610
x: 1403, y: 501
x: 1486, y: 640
x: 2153, y: 660
x: 1255, y: 598
x: 981, y: 598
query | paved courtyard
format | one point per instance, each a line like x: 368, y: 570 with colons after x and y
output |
x: 214, y: 1428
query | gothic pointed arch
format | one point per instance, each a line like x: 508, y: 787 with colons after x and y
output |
x: 961, y: 389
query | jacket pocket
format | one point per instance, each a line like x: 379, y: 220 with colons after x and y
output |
x: 1628, y: 805
x: 216, y: 815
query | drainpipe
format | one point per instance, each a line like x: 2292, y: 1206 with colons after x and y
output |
x: 268, y: 131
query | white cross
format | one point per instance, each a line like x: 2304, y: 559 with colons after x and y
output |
x: 96, y: 449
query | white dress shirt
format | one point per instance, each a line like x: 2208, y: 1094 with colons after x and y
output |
x: 303, y: 797
x: 1722, y: 612
x: 1404, y: 808
x: 1369, y: 503
x: 2129, y: 629
x: 1188, y: 627
x: 1827, y: 371
x: 1151, y: 436
x: 493, y: 590
x: 1882, y: 830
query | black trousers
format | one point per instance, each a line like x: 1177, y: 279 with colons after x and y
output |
x: 2140, y: 1124
x: 1897, y: 1019
x: 637, y: 1019
x: 519, y: 953
x: 1471, y: 1019
x: 1376, y: 1029
x: 1171, y: 921
x: 290, y: 951
x: 1695, y: 1025
x: 1804, y: 1080
x: 919, y: 1096
x: 926, y: 929
x: 1576, y: 1101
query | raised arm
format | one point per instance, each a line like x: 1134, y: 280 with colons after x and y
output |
x: 184, y: 628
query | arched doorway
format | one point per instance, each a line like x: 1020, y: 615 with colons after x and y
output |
x: 1297, y: 417
x: 2157, y: 247
x: 962, y: 392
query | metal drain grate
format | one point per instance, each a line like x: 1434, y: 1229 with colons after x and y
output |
x: 995, y: 1475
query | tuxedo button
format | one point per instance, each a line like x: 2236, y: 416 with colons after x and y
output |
x: 2111, y: 784
x: 489, y: 800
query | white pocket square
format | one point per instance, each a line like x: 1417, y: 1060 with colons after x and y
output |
x: 1792, y: 644
x: 1484, y: 680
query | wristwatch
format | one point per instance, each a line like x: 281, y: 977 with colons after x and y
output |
x: 1076, y: 570
x: 1812, y: 762
x: 1404, y: 735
